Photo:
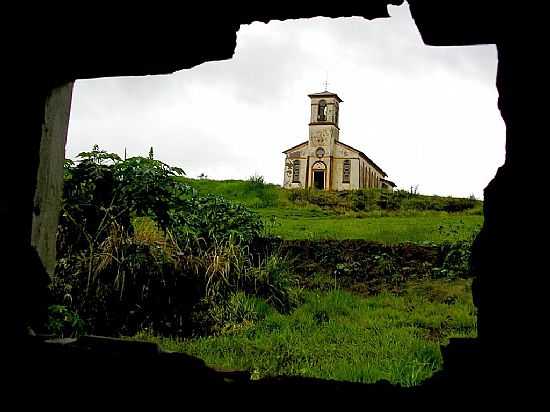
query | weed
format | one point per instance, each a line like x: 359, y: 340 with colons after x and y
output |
x: 337, y: 335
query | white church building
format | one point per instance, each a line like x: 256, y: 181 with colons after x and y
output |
x: 323, y: 161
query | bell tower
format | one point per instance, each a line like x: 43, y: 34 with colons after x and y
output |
x: 323, y: 124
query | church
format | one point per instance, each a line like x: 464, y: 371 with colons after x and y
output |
x: 324, y: 162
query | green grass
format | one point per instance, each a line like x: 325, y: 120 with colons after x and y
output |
x: 337, y: 334
x: 342, y: 336
x: 303, y: 220
x: 435, y: 227
x: 242, y: 191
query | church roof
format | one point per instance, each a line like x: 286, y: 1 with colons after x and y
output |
x: 325, y: 94
x: 295, y: 147
x: 368, y: 159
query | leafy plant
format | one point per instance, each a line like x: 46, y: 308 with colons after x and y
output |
x: 455, y: 261
x: 138, y: 248
x: 64, y: 323
x: 373, y: 199
x: 212, y: 217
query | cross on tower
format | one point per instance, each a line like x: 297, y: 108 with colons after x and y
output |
x: 326, y: 83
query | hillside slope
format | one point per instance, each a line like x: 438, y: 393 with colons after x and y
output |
x: 370, y: 214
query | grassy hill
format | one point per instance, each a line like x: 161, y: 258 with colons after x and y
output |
x: 251, y: 193
x: 364, y: 311
x: 370, y: 214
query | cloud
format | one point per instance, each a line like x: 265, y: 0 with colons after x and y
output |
x: 427, y: 115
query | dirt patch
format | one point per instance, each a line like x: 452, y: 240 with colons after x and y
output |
x: 366, y: 266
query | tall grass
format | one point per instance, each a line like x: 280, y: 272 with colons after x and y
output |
x: 150, y: 279
x: 370, y: 214
x: 341, y: 336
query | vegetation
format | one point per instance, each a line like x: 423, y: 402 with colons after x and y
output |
x: 361, y: 285
x: 427, y: 228
x: 370, y: 214
x: 380, y: 199
x: 253, y: 193
x: 256, y: 194
x: 342, y: 336
x: 139, y: 249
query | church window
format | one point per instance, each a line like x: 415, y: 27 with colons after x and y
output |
x: 296, y: 172
x: 347, y: 171
x: 322, y: 111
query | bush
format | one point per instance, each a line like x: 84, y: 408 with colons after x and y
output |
x: 454, y: 261
x: 372, y: 199
x: 64, y: 323
x: 459, y: 205
x: 274, y: 281
x: 103, y: 190
x: 238, y: 311
x: 139, y: 249
x: 168, y: 289
x: 212, y: 218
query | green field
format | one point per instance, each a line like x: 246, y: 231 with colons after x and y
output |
x: 342, y: 336
x: 426, y: 228
x: 332, y: 216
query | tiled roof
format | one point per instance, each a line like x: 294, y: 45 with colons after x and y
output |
x: 326, y: 94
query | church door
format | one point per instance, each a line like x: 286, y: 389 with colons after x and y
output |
x: 319, y: 179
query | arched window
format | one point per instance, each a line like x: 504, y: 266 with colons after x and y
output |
x: 347, y: 171
x: 296, y: 172
x: 322, y: 111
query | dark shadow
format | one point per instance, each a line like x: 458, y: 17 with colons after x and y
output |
x: 157, y: 40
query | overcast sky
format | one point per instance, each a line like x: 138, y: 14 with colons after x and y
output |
x: 427, y: 115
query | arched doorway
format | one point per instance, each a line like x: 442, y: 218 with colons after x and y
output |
x: 319, y: 170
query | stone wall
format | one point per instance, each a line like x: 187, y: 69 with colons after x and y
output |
x: 47, y: 197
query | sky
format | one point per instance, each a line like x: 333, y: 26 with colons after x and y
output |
x: 426, y: 115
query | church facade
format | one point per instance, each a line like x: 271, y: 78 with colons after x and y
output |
x: 325, y: 163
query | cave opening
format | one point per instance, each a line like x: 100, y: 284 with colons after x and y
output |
x: 237, y: 98
x: 49, y: 102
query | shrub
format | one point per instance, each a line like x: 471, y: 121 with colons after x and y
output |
x: 238, y: 311
x: 274, y: 281
x: 459, y: 205
x: 372, y: 199
x: 212, y: 218
x: 454, y: 260
x: 64, y: 322
x: 102, y: 190
x: 139, y: 249
x: 170, y: 289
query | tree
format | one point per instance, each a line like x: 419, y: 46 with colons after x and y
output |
x: 102, y: 189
